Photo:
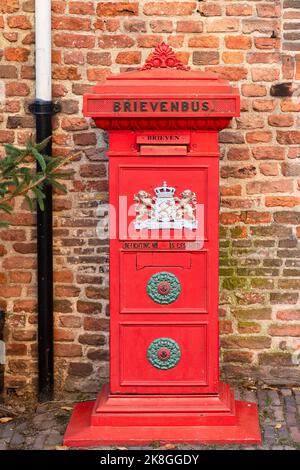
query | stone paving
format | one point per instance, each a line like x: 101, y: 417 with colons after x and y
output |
x: 44, y: 427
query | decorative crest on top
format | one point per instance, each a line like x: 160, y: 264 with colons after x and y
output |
x: 163, y: 57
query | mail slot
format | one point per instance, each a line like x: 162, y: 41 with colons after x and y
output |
x: 163, y: 123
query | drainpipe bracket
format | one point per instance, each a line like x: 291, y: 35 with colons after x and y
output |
x: 44, y: 107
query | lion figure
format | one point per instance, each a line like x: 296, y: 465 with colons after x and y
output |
x: 188, y: 204
x: 144, y: 205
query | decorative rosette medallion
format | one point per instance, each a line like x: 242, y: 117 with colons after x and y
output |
x: 163, y: 287
x: 164, y: 353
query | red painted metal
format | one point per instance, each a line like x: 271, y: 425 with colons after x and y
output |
x: 163, y: 127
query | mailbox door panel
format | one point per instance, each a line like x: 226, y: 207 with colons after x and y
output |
x: 163, y: 282
x: 173, y: 356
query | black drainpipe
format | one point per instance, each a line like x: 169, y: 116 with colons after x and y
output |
x: 43, y: 111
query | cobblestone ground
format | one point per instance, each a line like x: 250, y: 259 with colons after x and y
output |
x: 44, y: 427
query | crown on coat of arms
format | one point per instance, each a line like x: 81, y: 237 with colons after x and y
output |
x: 164, y: 190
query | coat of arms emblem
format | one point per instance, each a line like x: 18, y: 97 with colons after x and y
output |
x: 164, y: 209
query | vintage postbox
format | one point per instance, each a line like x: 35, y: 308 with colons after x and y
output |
x: 163, y: 124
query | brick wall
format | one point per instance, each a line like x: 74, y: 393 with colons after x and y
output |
x: 254, y: 44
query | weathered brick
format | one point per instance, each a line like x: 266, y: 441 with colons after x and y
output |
x: 169, y: 8
x: 205, y: 57
x: 81, y: 8
x: 203, y: 41
x: 117, y: 9
x: 71, y: 23
x: 217, y: 25
x: 273, y: 186
x: 74, y: 40
x: 189, y: 26
x: 19, y: 22
x: 115, y: 41
x: 16, y: 54
x: 238, y: 42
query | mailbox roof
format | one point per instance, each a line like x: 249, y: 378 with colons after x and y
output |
x: 164, y: 80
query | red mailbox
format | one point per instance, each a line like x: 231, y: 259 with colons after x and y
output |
x: 163, y: 124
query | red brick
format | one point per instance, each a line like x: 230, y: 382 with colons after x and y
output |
x: 288, y: 137
x: 19, y: 22
x: 268, y: 10
x: 282, y: 201
x: 284, y: 330
x: 74, y: 124
x: 217, y: 25
x: 66, y: 73
x: 234, y: 190
x: 290, y: 105
x: 247, y: 342
x: 229, y: 218
x: 169, y: 8
x: 230, y: 73
x: 58, y: 6
x: 273, y: 186
x: 9, y: 6
x: 81, y: 8
x: 245, y: 171
x: 189, y: 26
x: 258, y: 137
x: 238, y: 42
x: 263, y: 57
x: 11, y: 37
x: 261, y: 26
x: 19, y: 262
x: 67, y: 350
x: 135, y: 26
x: 10, y: 291
x: 253, y: 89
x: 131, y: 57
x: 97, y: 74
x: 288, y: 314
x: 249, y: 327
x: 117, y: 9
x: 96, y: 324
x: 71, y: 23
x: 269, y: 169
x: 233, y: 57
x: 263, y: 105
x: 267, y: 43
x: 205, y: 57
x: 24, y: 335
x: 20, y: 277
x: 241, y: 9
x: 248, y: 121
x: 74, y: 40
x: 62, y: 334
x: 161, y: 26
x: 281, y: 120
x: 237, y: 356
x: 16, y: 349
x: 70, y: 321
x: 6, y: 137
x: 265, y: 74
x: 16, y: 54
x: 210, y: 9
x: 252, y: 217
x: 119, y: 41
x: 99, y: 58
x: 238, y: 153
x: 202, y: 41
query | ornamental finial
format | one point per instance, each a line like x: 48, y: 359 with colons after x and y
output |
x: 163, y: 57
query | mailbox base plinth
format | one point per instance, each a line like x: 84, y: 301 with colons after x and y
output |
x: 126, y: 420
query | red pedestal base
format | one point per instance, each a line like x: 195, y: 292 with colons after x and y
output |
x: 141, y: 419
